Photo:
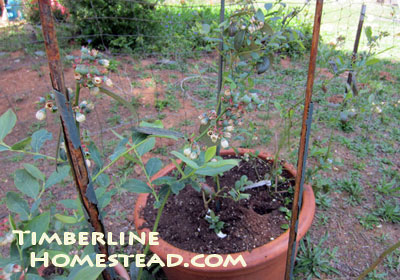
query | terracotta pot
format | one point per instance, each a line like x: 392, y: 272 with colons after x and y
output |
x: 265, y: 262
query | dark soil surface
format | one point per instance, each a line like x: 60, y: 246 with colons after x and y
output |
x: 249, y: 223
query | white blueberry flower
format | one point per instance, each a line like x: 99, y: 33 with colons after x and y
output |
x: 187, y: 152
x: 252, y: 28
x: 227, y: 135
x: 229, y: 128
x: 204, y: 121
x: 77, y: 76
x: 109, y: 82
x: 224, y: 143
x: 94, y: 90
x: 49, y: 104
x: 378, y: 109
x: 193, y: 155
x: 214, y: 138
x: 214, y: 160
x: 88, y: 163
x: 97, y: 81
x: 83, y: 104
x: 9, y: 238
x: 80, y: 117
x: 90, y: 106
x: 104, y: 62
x: 221, y: 235
x: 41, y: 114
x: 243, y: 27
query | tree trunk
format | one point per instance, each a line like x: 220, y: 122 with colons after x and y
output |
x: 4, y: 16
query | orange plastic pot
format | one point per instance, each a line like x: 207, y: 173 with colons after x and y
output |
x: 263, y: 263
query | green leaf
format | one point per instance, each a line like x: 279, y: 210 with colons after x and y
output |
x: 176, y: 187
x: 285, y: 226
x: 223, y: 163
x: 372, y: 61
x: 26, y: 183
x: 3, y: 148
x: 21, y: 144
x: 39, y: 224
x: 147, y: 146
x: 267, y: 29
x: 268, y: 6
x: 136, y: 186
x: 164, y: 180
x: 7, y: 122
x: 95, y: 155
x: 66, y: 219
x: 238, y: 40
x: 103, y: 180
x: 259, y: 15
x: 69, y: 203
x: 119, y: 149
x: 39, y: 138
x: 57, y: 176
x: 263, y: 65
x: 85, y: 272
x: 182, y: 157
x: 105, y: 199
x: 34, y: 171
x: 210, y: 153
x: 215, y: 168
x: 159, y: 132
x: 368, y: 33
x: 205, y: 28
x: 209, y: 171
x: 153, y: 165
x: 155, y: 124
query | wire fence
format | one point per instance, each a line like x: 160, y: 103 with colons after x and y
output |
x: 173, y: 23
x: 170, y: 30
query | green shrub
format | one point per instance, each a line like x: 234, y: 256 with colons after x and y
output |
x: 112, y: 23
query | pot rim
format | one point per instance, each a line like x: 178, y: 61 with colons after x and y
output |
x: 253, y: 258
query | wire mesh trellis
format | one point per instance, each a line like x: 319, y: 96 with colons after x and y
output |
x: 340, y: 19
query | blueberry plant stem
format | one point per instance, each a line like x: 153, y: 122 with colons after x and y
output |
x: 155, y: 226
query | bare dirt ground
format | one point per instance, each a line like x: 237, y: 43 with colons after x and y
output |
x: 23, y: 79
